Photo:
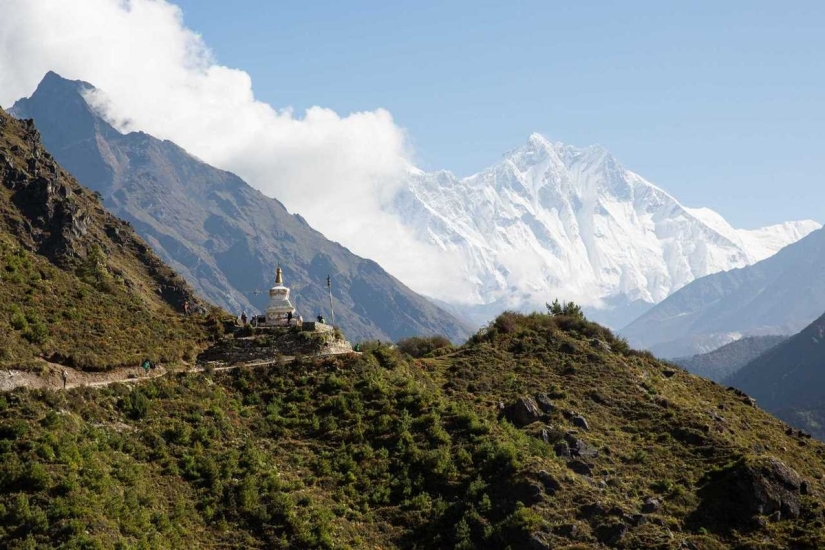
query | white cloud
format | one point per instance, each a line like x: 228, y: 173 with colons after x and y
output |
x: 160, y: 77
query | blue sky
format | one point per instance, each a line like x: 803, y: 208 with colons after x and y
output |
x: 720, y: 103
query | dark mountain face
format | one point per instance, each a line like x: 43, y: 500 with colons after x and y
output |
x: 789, y: 379
x: 725, y: 361
x: 779, y: 295
x: 223, y: 236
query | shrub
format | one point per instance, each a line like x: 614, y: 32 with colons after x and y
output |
x: 419, y: 346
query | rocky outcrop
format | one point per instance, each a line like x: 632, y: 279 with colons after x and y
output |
x: 764, y: 486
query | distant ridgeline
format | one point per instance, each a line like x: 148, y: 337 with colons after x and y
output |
x: 788, y: 379
x: 726, y: 360
x: 220, y: 234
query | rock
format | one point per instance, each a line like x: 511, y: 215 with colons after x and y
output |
x: 562, y: 450
x: 668, y: 373
x: 748, y: 488
x: 635, y: 519
x: 524, y: 411
x: 568, y: 530
x: 544, y: 403
x: 545, y: 435
x: 551, y: 484
x: 804, y: 488
x: 580, y: 422
x: 579, y: 448
x: 592, y: 510
x: 611, y: 534
x: 651, y: 505
x: 538, y: 541
x: 580, y: 467
x: 596, y: 397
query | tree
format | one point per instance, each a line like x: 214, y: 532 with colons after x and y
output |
x: 569, y: 309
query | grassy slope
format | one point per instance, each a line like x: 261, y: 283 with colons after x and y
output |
x: 381, y: 451
x: 78, y: 286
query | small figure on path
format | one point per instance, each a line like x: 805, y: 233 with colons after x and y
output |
x: 289, y: 318
x: 243, y: 318
x: 65, y: 378
x: 146, y: 365
x: 321, y: 319
x: 186, y: 308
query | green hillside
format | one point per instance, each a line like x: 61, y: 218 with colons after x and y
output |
x: 541, y: 432
x: 79, y: 288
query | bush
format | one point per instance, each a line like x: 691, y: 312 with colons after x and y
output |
x: 136, y: 405
x: 420, y: 346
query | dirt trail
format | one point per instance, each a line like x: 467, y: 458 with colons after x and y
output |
x: 51, y: 375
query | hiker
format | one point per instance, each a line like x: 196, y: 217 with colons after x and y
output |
x: 146, y: 365
x: 289, y: 318
x: 65, y: 378
x: 186, y: 308
x: 243, y: 318
x: 321, y: 319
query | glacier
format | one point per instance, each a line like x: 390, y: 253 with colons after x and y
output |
x: 550, y: 220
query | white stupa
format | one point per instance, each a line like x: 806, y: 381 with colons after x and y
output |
x: 279, y: 312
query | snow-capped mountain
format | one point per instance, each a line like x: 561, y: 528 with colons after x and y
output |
x: 550, y: 220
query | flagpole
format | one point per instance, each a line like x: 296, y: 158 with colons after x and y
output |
x: 329, y: 288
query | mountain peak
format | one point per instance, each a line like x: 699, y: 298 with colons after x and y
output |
x: 53, y: 85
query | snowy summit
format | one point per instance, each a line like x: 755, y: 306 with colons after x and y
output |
x: 551, y: 220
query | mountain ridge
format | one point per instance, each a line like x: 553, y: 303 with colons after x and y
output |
x: 220, y: 234
x: 552, y: 219
x: 779, y: 295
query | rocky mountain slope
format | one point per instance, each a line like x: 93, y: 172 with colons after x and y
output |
x: 779, y: 295
x: 725, y: 361
x: 541, y: 432
x: 78, y: 286
x: 550, y: 220
x: 223, y: 236
x: 788, y: 380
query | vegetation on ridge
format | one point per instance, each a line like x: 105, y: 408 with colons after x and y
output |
x: 78, y: 287
x: 383, y: 450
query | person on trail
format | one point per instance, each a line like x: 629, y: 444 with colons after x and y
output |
x: 243, y: 318
x: 186, y: 308
x: 321, y: 319
x: 289, y: 318
x: 65, y: 378
x: 146, y: 365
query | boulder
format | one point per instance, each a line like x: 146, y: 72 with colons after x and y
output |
x: 562, y: 450
x: 749, y: 488
x: 579, y: 448
x: 544, y: 403
x: 538, y: 541
x: 611, y: 533
x: 580, y: 467
x: 524, y: 411
x: 580, y: 422
x: 651, y: 505
x: 551, y: 484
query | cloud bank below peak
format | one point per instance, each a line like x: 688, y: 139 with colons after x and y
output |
x: 156, y: 75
